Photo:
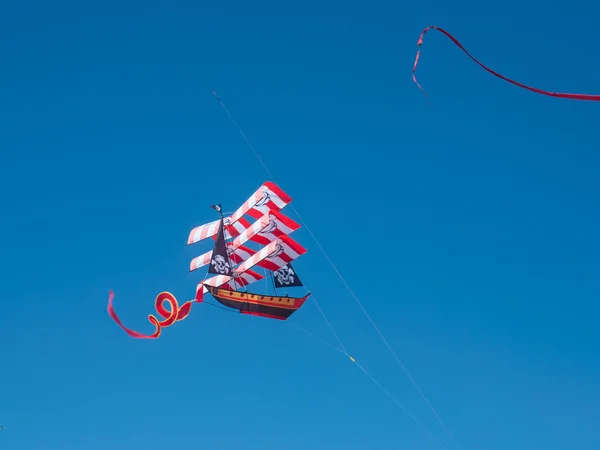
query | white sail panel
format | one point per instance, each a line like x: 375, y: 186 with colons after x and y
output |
x: 274, y: 256
x: 236, y: 255
x: 205, y: 231
x: 266, y: 229
x: 238, y: 227
x: 241, y: 279
x: 241, y: 254
x: 209, y: 230
x: 277, y: 225
x: 269, y: 197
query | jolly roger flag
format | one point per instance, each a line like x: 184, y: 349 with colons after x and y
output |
x: 219, y: 260
x: 286, y: 277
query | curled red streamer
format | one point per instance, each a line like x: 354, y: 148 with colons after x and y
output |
x: 587, y: 97
x: 170, y: 316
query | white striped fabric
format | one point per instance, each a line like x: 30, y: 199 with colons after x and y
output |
x: 275, y: 255
x: 236, y: 255
x: 243, y: 279
x: 269, y: 197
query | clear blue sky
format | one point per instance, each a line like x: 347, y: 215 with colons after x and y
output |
x: 466, y: 225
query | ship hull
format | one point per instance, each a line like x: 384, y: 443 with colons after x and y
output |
x: 271, y: 306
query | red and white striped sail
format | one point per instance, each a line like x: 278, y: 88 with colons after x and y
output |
x: 274, y: 256
x: 269, y: 197
x: 236, y: 255
x: 205, y: 231
x: 270, y: 229
x: 241, y: 254
x: 266, y: 229
x: 241, y: 279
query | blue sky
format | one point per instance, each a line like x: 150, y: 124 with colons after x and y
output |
x: 466, y: 225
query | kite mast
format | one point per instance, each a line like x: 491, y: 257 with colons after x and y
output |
x: 220, y: 262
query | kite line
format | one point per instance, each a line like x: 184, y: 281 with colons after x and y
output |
x: 585, y: 97
x: 343, y: 352
x: 354, y: 296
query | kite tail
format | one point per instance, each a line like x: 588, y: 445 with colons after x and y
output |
x: 175, y: 314
x: 587, y: 97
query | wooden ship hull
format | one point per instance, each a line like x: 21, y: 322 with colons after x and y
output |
x: 271, y: 306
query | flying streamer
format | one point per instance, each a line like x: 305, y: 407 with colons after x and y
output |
x: 585, y: 97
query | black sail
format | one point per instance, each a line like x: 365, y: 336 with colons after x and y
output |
x: 219, y: 260
x: 286, y: 277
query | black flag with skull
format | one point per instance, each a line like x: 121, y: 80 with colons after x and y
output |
x: 286, y: 277
x: 219, y: 260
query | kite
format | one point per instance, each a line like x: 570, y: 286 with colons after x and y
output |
x: 231, y: 262
x: 585, y: 97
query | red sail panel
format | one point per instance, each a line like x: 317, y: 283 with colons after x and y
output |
x: 275, y: 255
x: 269, y: 197
x: 239, y: 226
x: 242, y: 253
x: 237, y: 255
x: 267, y: 228
x: 277, y: 226
x: 205, y: 231
x: 241, y: 279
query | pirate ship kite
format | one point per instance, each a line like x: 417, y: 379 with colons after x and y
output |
x: 234, y: 264
x: 232, y: 261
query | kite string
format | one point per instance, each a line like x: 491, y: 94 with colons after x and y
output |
x: 275, y: 181
x: 245, y: 138
x: 400, y: 405
x: 372, y: 378
x: 385, y: 341
x: 329, y: 344
x: 330, y: 326
x: 341, y: 278
x: 382, y: 337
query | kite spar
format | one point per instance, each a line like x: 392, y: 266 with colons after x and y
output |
x: 585, y: 97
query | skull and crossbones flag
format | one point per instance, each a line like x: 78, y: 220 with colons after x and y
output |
x: 217, y: 208
x: 219, y: 260
x: 286, y: 277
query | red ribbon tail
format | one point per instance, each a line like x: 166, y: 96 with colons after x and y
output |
x: 585, y: 97
x: 200, y: 294
x: 415, y: 68
x: 132, y: 333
